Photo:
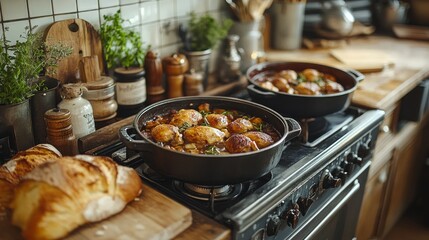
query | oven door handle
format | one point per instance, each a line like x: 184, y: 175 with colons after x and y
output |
x: 336, y: 209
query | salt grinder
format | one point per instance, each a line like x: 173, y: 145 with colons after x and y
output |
x: 153, y: 69
x: 175, y: 66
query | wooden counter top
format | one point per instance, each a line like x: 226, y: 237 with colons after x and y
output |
x: 379, y: 89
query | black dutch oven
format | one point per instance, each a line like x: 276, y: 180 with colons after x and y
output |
x: 204, y: 169
x: 302, y: 106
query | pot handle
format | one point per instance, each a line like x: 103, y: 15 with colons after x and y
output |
x: 130, y: 142
x: 252, y: 88
x: 294, y: 129
x: 358, y: 76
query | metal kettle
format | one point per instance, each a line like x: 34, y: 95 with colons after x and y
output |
x: 337, y: 17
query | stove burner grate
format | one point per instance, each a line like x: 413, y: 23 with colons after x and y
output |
x: 208, y: 193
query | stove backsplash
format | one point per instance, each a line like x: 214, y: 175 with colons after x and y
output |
x: 156, y: 20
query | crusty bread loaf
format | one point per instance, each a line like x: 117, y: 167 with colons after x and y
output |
x: 22, y: 163
x: 59, y: 196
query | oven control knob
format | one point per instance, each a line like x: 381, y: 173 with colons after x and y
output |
x: 348, y: 166
x: 364, y: 149
x: 304, y: 204
x: 353, y: 158
x: 340, y: 173
x: 330, y: 181
x: 291, y: 215
x: 273, y: 225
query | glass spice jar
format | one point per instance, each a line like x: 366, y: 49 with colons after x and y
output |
x: 101, y: 95
x: 130, y: 90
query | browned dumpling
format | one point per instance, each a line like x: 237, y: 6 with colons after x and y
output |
x: 238, y: 143
x: 167, y: 133
x: 333, y: 87
x: 269, y: 85
x: 311, y: 74
x: 290, y: 75
x: 218, y: 121
x: 308, y: 88
x: 260, y: 138
x: 205, y: 107
x: 281, y: 84
x: 203, y: 134
x: 240, y: 125
x: 186, y: 117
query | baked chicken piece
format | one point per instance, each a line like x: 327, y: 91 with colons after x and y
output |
x: 203, y: 135
x: 260, y: 138
x: 269, y: 85
x: 238, y: 143
x: 333, y: 87
x: 240, y: 125
x: 290, y: 75
x: 167, y: 133
x: 311, y: 75
x: 308, y: 88
x: 282, y: 84
x: 218, y: 121
x: 186, y: 117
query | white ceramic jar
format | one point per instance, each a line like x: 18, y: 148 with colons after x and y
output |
x: 82, y: 117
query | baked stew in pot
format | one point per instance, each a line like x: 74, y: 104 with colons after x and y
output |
x: 307, y: 82
x: 208, y: 130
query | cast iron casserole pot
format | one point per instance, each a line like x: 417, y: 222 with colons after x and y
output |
x: 205, y: 169
x: 302, y: 106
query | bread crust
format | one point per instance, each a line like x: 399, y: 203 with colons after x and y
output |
x: 78, y: 190
x: 22, y: 163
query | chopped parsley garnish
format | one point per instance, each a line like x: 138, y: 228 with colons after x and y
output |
x: 184, y: 127
x: 212, y: 150
x: 204, y: 113
x: 258, y: 126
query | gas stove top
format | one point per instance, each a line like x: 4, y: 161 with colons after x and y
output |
x: 336, y: 151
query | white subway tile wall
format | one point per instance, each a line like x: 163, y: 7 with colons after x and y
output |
x: 156, y: 20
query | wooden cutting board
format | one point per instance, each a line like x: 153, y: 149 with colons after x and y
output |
x: 363, y: 60
x: 151, y: 216
x: 83, y: 38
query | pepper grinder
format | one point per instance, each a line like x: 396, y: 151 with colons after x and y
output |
x: 59, y: 131
x: 175, y: 66
x: 153, y: 69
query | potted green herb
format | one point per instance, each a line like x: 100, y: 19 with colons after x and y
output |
x: 21, y: 65
x: 201, y: 36
x: 122, y: 46
x: 124, y: 55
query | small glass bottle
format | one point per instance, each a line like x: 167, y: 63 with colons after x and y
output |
x: 230, y: 65
x: 82, y: 117
x: 193, y: 83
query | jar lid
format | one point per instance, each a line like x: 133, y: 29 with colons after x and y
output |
x: 104, y: 82
x: 130, y: 73
x: 57, y: 114
x: 71, y: 90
